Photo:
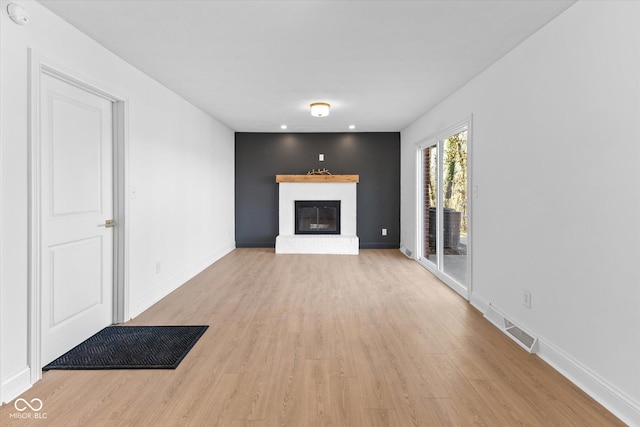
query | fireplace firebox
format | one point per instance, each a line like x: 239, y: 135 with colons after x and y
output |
x: 317, y: 217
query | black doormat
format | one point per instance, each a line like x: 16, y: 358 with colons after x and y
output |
x: 132, y: 347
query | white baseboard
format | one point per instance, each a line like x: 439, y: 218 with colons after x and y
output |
x: 618, y: 403
x: 408, y: 252
x: 479, y: 303
x: 152, y: 297
x: 16, y: 385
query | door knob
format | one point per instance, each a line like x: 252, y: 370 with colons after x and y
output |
x: 108, y: 224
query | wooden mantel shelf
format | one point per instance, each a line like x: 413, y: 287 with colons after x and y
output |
x: 317, y: 178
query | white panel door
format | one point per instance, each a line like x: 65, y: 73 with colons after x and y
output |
x: 76, y: 200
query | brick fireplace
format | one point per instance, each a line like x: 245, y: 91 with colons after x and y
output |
x: 328, y: 192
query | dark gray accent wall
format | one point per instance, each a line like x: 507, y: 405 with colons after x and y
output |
x: 260, y: 157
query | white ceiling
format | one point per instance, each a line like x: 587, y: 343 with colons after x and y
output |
x: 255, y: 65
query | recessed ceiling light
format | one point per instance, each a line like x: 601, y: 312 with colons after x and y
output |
x: 352, y: 126
x: 283, y: 127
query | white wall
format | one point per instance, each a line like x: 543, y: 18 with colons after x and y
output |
x: 180, y: 165
x: 556, y: 125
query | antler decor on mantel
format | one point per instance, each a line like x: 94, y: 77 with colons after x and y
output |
x: 324, y: 171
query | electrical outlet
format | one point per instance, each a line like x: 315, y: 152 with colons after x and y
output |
x: 158, y: 267
x: 321, y: 157
x: 384, y: 231
x: 526, y: 299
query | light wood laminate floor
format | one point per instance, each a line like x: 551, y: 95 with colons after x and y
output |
x: 322, y: 340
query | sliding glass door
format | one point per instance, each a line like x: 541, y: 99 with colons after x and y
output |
x: 444, y: 208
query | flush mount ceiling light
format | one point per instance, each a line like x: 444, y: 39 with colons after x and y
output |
x: 17, y: 14
x: 320, y: 109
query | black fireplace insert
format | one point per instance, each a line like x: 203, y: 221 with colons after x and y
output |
x: 317, y: 216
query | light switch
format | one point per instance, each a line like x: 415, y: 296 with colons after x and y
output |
x: 321, y: 157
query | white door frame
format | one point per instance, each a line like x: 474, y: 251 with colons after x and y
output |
x: 434, y: 140
x: 39, y: 66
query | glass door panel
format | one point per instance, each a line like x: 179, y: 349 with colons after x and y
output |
x: 454, y: 207
x: 444, y: 209
x: 430, y: 199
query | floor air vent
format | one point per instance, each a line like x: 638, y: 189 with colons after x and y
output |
x: 522, y: 338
